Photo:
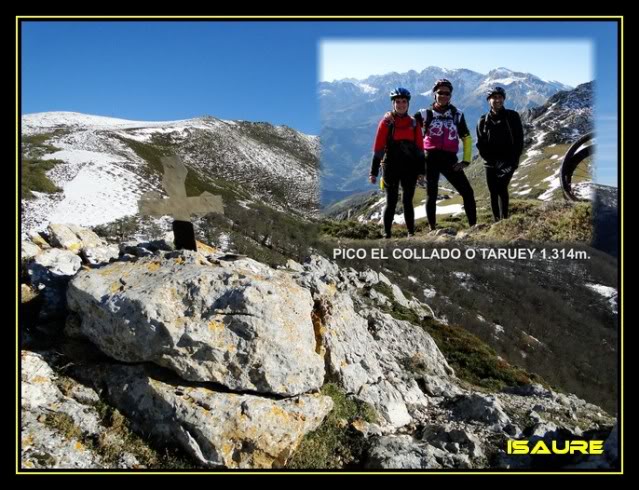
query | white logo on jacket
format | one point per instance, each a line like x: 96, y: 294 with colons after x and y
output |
x: 442, y: 123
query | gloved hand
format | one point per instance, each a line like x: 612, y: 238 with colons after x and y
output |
x: 419, y: 118
x: 458, y: 166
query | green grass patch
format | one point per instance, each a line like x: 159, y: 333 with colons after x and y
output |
x: 64, y: 424
x: 33, y: 168
x: 263, y: 233
x: 116, y: 438
x: 35, y: 146
x: 530, y: 219
x: 196, y: 184
x: 472, y: 359
x: 351, y: 229
x: 34, y: 178
x: 150, y: 153
x: 335, y: 445
x: 548, y: 222
x: 420, y: 197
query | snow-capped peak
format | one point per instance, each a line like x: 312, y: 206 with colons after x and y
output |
x: 500, y: 72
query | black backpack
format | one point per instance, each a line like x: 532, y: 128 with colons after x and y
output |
x: 406, y: 148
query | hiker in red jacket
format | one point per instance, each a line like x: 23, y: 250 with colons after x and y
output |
x: 399, y: 150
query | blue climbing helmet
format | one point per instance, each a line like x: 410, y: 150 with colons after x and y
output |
x: 399, y: 92
x: 496, y: 91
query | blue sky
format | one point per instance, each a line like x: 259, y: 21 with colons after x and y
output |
x: 268, y: 71
x: 569, y: 61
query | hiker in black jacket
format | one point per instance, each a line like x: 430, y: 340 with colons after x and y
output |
x: 500, y: 140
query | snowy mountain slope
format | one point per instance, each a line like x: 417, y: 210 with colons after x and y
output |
x: 107, y: 164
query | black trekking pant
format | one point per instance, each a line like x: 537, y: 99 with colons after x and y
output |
x: 441, y: 162
x: 391, y: 184
x: 498, y: 182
